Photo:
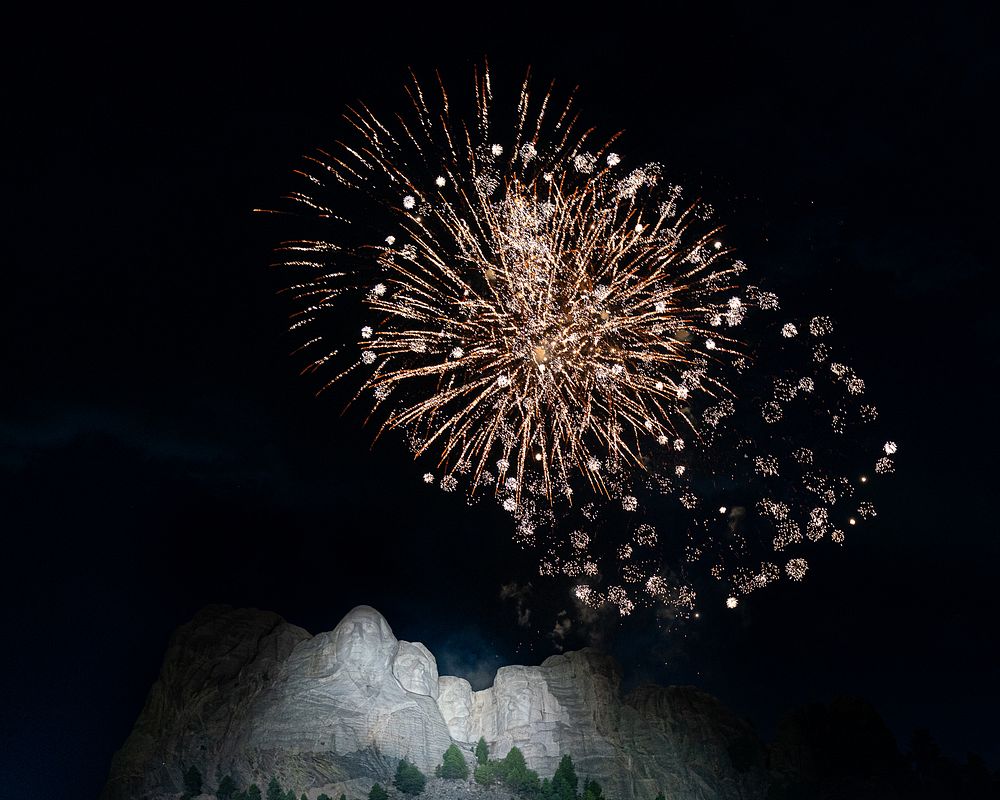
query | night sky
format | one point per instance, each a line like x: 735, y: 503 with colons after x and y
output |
x: 159, y: 451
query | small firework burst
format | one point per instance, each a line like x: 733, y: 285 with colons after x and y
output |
x: 796, y: 568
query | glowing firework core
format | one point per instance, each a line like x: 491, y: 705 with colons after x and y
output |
x: 557, y: 293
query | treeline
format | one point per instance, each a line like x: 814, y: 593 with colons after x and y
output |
x: 229, y: 790
x: 843, y: 758
x: 511, y: 771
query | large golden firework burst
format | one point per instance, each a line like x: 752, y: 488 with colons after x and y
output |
x: 536, y: 311
x: 550, y: 324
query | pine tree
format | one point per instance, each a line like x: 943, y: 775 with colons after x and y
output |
x: 482, y: 751
x: 409, y: 779
x: 227, y: 788
x: 516, y: 774
x: 274, y: 790
x: 253, y: 792
x: 489, y: 773
x: 324, y: 796
x: 592, y: 791
x: 378, y: 793
x: 192, y: 781
x: 564, y: 782
x: 514, y: 760
x: 453, y: 764
x: 660, y: 796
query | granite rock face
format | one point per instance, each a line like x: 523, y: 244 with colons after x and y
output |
x: 676, y: 740
x: 338, y: 700
x: 214, y: 669
x: 244, y: 692
x: 686, y: 743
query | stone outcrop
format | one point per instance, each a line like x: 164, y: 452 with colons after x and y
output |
x: 245, y: 693
x: 656, y: 739
x: 214, y: 669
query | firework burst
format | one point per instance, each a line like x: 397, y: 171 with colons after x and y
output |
x: 553, y: 327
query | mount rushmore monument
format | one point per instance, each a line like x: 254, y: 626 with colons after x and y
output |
x: 244, y: 693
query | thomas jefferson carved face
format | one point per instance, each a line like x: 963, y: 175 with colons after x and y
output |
x: 416, y: 669
x: 364, y: 645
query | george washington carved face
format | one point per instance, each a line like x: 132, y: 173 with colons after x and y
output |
x: 364, y: 646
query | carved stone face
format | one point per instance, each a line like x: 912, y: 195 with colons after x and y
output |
x: 364, y: 645
x: 455, y: 702
x: 416, y: 669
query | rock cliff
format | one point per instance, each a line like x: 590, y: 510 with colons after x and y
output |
x: 243, y: 692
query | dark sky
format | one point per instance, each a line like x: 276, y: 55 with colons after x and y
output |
x: 158, y: 450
